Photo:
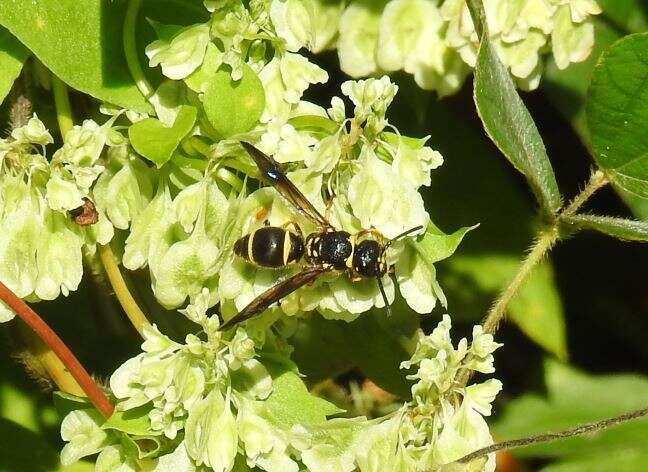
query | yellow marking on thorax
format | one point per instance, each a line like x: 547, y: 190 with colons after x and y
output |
x: 349, y: 260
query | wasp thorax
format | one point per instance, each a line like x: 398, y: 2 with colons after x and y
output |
x: 369, y: 259
x: 330, y: 248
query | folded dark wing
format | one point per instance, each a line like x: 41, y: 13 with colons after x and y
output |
x: 273, y: 173
x: 274, y: 293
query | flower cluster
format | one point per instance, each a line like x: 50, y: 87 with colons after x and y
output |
x: 353, y: 166
x: 436, y: 42
x: 40, y: 244
x: 213, y: 402
x: 442, y: 422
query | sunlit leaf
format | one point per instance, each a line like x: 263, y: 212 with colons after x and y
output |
x: 510, y: 126
x: 617, y: 113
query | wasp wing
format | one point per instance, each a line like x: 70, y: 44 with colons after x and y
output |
x: 273, y: 172
x: 277, y: 292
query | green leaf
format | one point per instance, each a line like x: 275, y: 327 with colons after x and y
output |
x: 76, y: 40
x: 135, y: 421
x: 617, y: 113
x: 157, y: 142
x: 436, y: 245
x: 234, y: 107
x: 621, y: 228
x: 572, y: 398
x: 567, y: 90
x: 12, y: 56
x: 510, y: 126
x: 291, y: 403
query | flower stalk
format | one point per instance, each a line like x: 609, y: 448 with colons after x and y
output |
x: 125, y: 298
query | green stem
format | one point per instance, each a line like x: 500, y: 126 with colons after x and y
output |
x: 126, y: 300
x: 130, y: 49
x: 63, y: 109
x: 597, y: 180
x: 545, y: 241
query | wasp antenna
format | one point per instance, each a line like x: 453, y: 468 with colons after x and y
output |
x: 384, y: 295
x: 403, y: 234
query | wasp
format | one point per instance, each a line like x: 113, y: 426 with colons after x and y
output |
x: 361, y: 255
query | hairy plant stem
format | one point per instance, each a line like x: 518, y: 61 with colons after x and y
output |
x: 596, y: 181
x: 51, y: 339
x: 63, y: 109
x: 130, y: 49
x: 125, y: 298
x: 545, y: 241
x: 547, y: 437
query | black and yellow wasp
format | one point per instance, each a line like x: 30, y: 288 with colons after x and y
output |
x: 362, y: 255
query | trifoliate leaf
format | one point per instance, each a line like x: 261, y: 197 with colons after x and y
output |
x: 234, y: 107
x: 156, y: 142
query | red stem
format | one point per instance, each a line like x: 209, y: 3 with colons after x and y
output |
x: 49, y: 337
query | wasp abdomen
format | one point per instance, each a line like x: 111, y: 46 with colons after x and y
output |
x: 270, y: 246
